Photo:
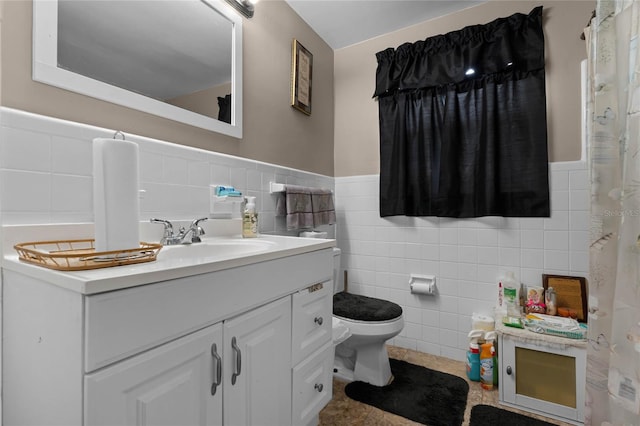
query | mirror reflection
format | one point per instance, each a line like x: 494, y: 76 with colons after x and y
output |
x: 177, y: 52
x: 177, y: 59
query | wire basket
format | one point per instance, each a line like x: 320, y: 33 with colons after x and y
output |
x: 79, y: 255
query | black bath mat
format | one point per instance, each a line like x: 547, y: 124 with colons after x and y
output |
x: 482, y: 415
x: 417, y: 393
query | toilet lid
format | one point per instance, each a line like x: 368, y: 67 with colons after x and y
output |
x: 363, y: 308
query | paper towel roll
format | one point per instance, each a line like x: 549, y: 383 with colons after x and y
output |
x: 115, y: 194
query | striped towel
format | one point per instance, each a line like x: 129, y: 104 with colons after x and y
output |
x: 306, y: 208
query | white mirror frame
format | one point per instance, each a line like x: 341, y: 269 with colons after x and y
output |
x: 45, y: 70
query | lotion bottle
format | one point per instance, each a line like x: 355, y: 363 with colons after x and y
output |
x: 250, y: 219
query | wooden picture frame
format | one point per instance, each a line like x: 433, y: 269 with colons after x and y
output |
x: 571, y: 292
x: 301, y: 77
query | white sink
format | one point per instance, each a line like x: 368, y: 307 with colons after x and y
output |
x: 215, y: 249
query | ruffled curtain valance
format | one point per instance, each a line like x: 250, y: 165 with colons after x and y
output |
x: 515, y: 43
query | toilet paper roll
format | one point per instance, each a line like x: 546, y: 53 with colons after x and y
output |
x: 115, y: 194
x: 422, y: 288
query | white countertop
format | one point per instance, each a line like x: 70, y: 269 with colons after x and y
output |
x: 165, y: 267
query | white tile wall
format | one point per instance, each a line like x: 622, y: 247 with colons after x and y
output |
x: 467, y: 255
x: 46, y: 175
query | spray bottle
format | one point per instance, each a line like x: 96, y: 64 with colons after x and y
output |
x: 487, y: 364
x: 473, y: 355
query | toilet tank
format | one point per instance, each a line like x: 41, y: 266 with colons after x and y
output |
x: 338, y: 285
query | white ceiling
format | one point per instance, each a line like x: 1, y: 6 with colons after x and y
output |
x: 342, y: 23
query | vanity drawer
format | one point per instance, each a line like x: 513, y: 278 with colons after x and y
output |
x: 312, y: 314
x: 312, y: 385
x: 122, y: 323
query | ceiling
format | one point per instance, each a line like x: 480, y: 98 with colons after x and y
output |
x: 342, y: 23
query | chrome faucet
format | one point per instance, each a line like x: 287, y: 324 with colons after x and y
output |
x: 169, y: 239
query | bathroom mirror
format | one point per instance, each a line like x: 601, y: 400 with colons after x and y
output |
x: 177, y: 59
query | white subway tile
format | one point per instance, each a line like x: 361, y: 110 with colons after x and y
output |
x: 532, y: 239
x: 25, y: 150
x: 556, y: 240
x: 72, y: 156
x: 174, y: 171
x: 556, y: 260
x: 559, y: 180
x: 71, y: 194
x: 559, y: 200
x: 579, y: 200
x: 23, y: 191
x: 532, y: 258
x: 579, y: 179
x: 488, y: 256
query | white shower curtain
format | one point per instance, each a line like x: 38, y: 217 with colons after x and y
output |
x: 613, y: 131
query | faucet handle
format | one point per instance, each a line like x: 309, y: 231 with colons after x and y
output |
x: 196, y: 222
x: 197, y: 230
x: 168, y: 226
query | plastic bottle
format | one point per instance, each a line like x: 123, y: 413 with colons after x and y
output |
x: 486, y: 364
x: 501, y: 306
x: 473, y: 355
x: 551, y: 301
x: 510, y: 288
x: 250, y: 219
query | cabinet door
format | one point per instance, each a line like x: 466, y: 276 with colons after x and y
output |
x: 170, y: 385
x: 541, y: 378
x: 257, y: 366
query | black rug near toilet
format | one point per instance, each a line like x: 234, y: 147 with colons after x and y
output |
x: 482, y: 415
x: 417, y: 393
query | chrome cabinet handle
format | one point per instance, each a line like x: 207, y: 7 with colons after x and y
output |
x: 217, y: 379
x: 238, y: 364
x: 318, y: 320
x: 318, y: 387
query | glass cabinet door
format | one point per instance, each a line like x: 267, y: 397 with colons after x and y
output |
x: 544, y: 379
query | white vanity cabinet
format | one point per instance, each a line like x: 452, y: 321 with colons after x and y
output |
x: 208, y: 349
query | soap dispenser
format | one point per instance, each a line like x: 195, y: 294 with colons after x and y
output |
x: 250, y: 219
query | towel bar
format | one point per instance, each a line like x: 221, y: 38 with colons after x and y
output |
x: 276, y: 187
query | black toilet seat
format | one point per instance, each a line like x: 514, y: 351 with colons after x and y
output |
x: 363, y: 308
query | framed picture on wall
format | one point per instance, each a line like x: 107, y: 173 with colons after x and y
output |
x: 301, y: 73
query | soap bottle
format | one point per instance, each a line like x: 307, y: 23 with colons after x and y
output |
x: 250, y: 219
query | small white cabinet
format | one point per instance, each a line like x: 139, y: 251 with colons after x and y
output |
x: 543, y: 374
x: 239, y: 346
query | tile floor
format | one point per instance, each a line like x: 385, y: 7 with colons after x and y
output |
x: 343, y: 411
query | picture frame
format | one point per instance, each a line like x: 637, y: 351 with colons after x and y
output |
x: 301, y: 77
x: 571, y: 292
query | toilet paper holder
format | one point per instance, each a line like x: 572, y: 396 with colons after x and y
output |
x: 423, y: 284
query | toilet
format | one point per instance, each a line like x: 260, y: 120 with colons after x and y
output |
x: 370, y: 323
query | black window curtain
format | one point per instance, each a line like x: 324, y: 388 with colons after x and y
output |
x: 463, y: 129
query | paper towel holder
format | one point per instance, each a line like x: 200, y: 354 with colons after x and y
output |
x: 423, y: 284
